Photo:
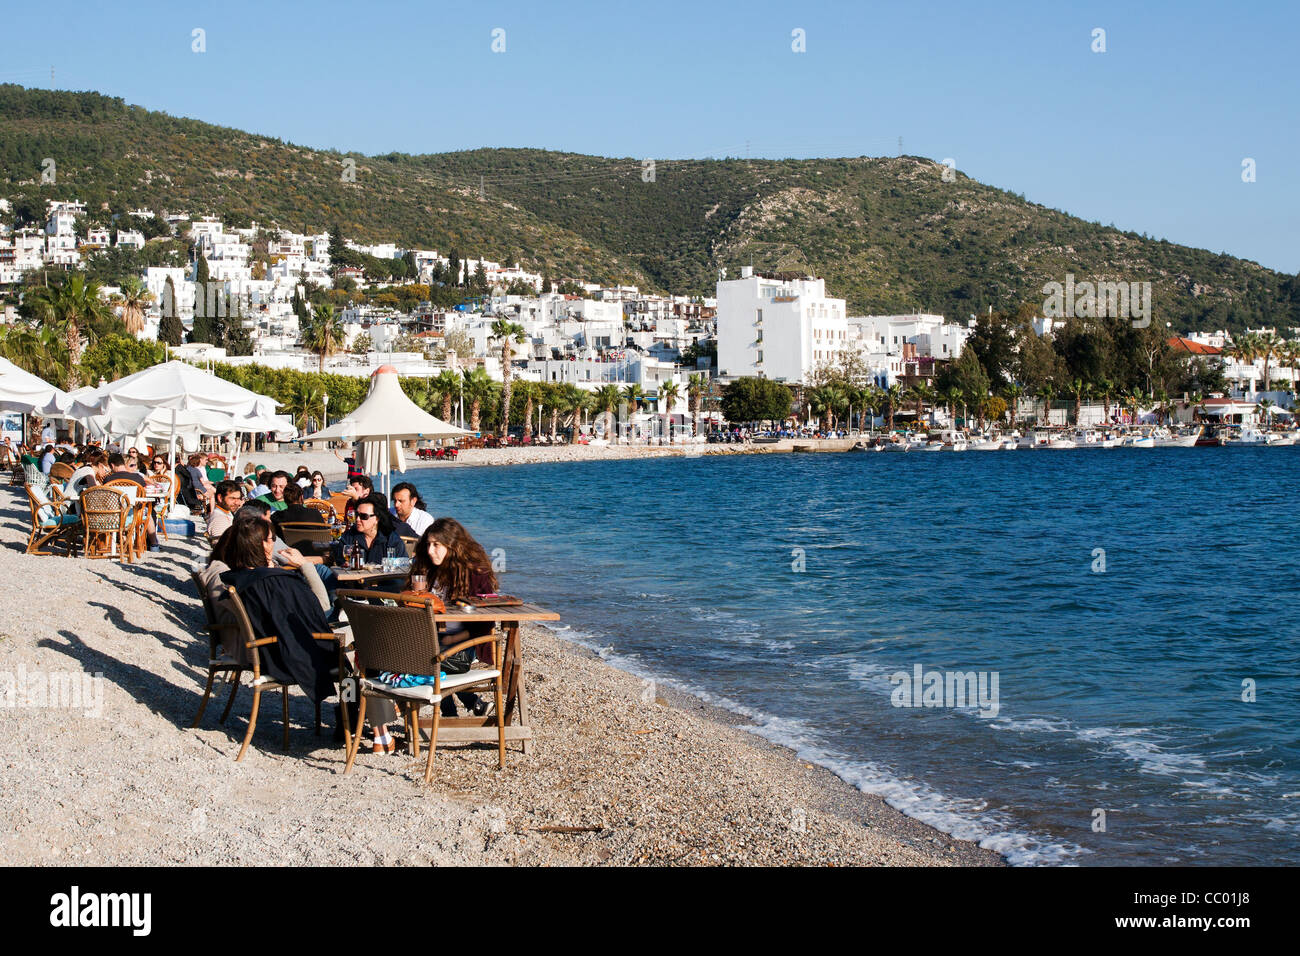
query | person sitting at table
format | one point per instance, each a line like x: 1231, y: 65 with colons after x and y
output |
x: 302, y: 478
x: 259, y: 484
x: 372, y: 532
x: 358, y: 487
x: 317, y: 489
x: 275, y: 495
x: 120, y: 469
x: 93, y: 471
x: 409, y: 508
x: 457, y: 568
x: 295, y: 512
x: 229, y: 498
x: 48, y: 458
x: 279, y: 603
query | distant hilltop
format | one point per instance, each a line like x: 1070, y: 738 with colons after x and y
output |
x: 890, y: 235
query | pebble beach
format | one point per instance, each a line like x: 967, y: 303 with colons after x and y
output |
x: 616, y: 776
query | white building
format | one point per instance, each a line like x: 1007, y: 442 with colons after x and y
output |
x: 778, y: 328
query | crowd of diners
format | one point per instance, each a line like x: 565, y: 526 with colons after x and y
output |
x: 290, y: 591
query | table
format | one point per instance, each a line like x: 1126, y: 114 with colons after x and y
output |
x: 366, y: 576
x: 514, y: 694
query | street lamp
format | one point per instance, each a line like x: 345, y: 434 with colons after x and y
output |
x: 327, y: 410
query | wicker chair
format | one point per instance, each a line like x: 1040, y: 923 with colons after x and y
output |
x: 324, y: 507
x: 404, y: 640
x: 137, y: 512
x: 339, y: 502
x: 106, y: 521
x: 50, y: 522
x: 61, y: 471
x: 298, y: 533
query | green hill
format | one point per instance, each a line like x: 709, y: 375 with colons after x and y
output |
x: 888, y: 234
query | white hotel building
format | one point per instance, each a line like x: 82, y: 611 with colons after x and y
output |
x: 778, y: 328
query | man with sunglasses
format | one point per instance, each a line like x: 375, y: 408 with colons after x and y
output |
x: 372, y: 531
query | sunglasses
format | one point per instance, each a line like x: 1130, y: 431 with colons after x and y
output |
x: 365, y: 517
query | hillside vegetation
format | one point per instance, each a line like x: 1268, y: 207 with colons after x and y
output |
x: 888, y: 234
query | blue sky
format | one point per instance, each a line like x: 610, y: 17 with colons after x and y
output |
x: 1149, y: 135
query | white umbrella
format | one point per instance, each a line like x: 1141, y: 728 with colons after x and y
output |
x: 179, y: 387
x: 21, y: 391
x: 382, y: 422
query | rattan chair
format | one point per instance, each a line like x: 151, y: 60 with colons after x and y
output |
x: 106, y: 521
x: 50, y: 522
x: 137, y: 512
x: 404, y: 639
x: 339, y: 502
x: 61, y: 471
x: 324, y: 507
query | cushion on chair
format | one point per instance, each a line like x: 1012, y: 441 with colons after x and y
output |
x: 425, y: 692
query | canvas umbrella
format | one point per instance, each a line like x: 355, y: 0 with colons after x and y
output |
x: 177, y: 387
x: 21, y: 391
x: 382, y: 422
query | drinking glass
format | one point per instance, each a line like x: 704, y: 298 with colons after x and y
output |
x: 419, y: 583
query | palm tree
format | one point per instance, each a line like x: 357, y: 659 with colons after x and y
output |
x: 304, y: 400
x: 609, y: 398
x: 669, y: 393
x: 508, y: 334
x: 323, y: 334
x: 1133, y: 399
x: 1012, y: 394
x: 633, y: 395
x: 447, y: 384
x: 1105, y: 388
x: 478, y: 385
x: 821, y: 403
x: 921, y: 393
x: 134, y: 299
x: 1268, y: 347
x: 1264, y: 410
x: 872, y: 399
x: 951, y: 396
x: 696, y: 386
x: 893, y: 401
x: 1194, y: 402
x: 1045, y: 394
x: 73, y: 309
x: 529, y: 391
x: 1076, y: 388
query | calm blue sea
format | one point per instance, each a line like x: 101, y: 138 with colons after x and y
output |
x: 790, y: 588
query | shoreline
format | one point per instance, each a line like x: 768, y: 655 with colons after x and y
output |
x: 669, y: 781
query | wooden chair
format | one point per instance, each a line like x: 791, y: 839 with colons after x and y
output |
x: 226, y: 651
x: 105, y: 520
x: 61, y: 471
x: 164, y: 506
x: 50, y: 522
x: 137, y: 511
x: 404, y: 639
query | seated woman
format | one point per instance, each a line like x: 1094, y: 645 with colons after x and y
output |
x: 317, y: 488
x: 278, y: 602
x: 94, y: 470
x: 457, y: 568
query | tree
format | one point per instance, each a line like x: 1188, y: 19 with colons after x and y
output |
x: 170, y: 329
x: 324, y: 335
x: 478, y: 386
x: 529, y: 392
x: 75, y: 309
x: 755, y: 400
x: 363, y: 344
x: 609, y: 397
x: 236, y: 337
x: 696, y: 386
x: 446, y: 384
x: 669, y: 393
x: 116, y: 356
x: 458, y: 341
x: 893, y: 402
x: 508, y: 334
x: 546, y: 281
x: 1012, y: 393
x: 134, y: 299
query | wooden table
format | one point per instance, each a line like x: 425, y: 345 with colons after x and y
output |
x: 514, y: 694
